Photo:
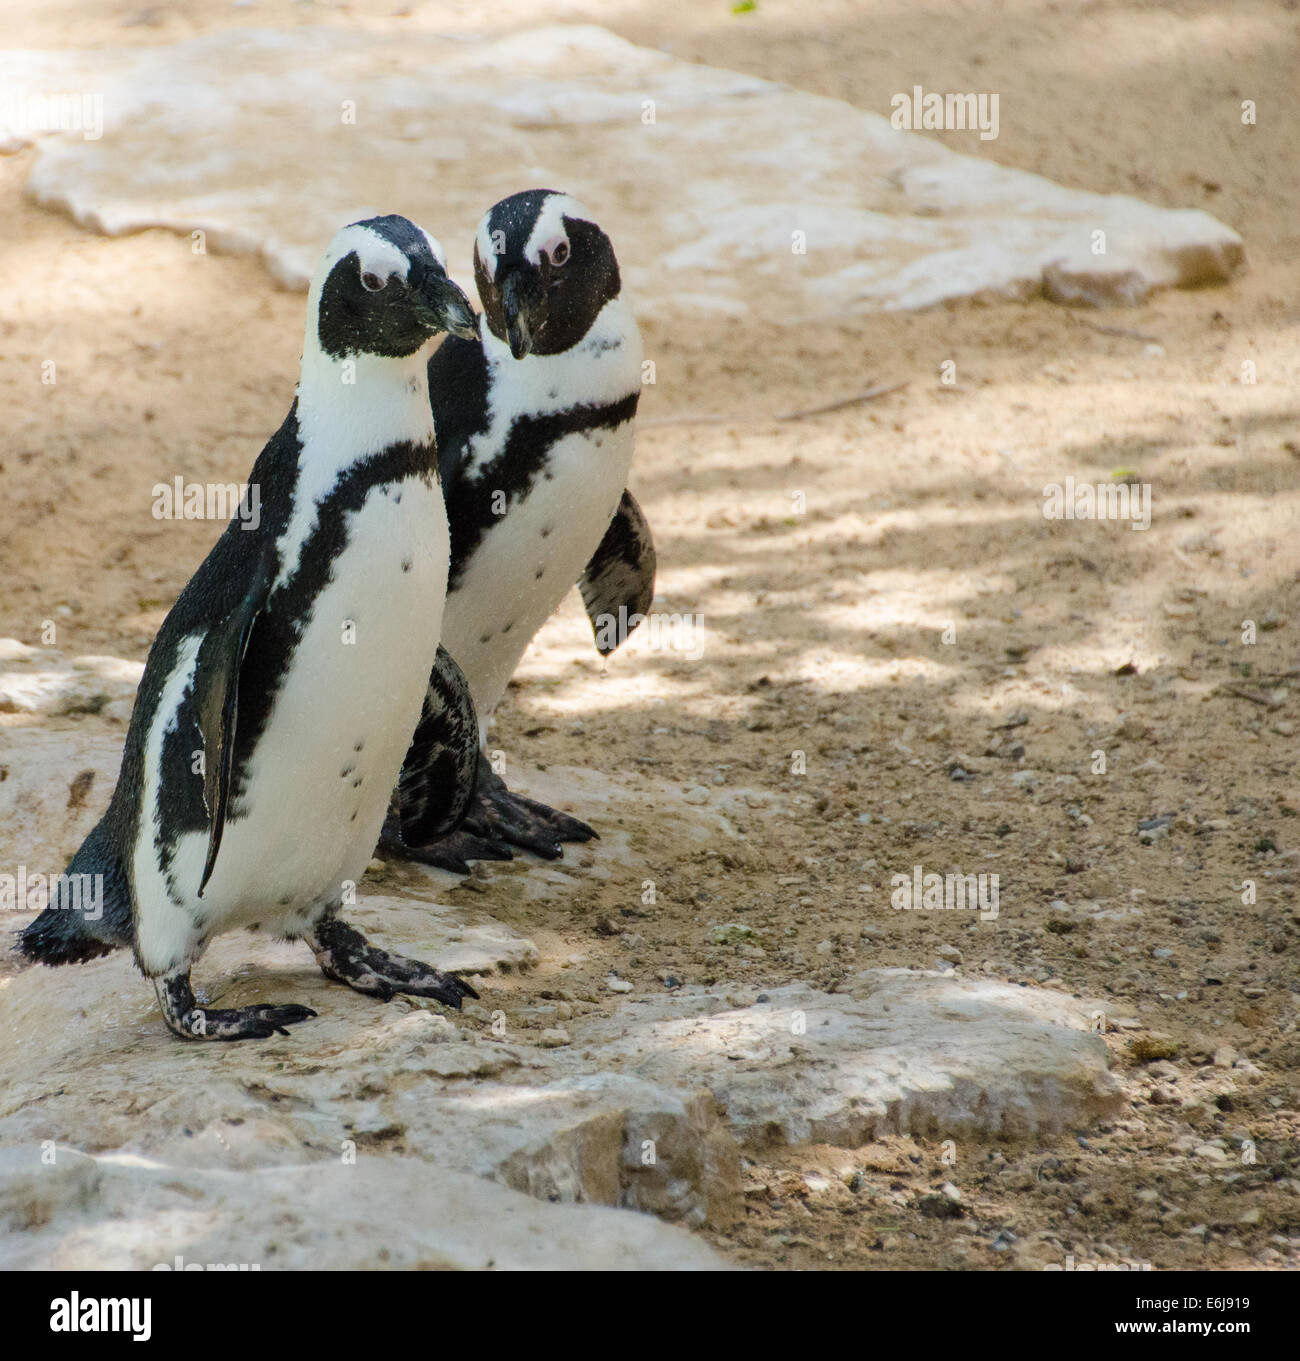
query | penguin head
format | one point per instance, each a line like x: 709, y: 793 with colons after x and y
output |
x: 382, y: 289
x: 544, y: 271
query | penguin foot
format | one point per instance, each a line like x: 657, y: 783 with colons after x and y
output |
x: 346, y: 956
x: 450, y: 852
x: 192, y: 1022
x: 497, y: 824
x: 494, y: 830
x: 507, y: 819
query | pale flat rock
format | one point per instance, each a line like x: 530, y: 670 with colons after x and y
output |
x: 717, y: 187
x: 42, y: 682
x: 54, y: 787
x: 381, y: 1212
x: 898, y: 1051
x: 468, y: 941
x: 87, y: 1061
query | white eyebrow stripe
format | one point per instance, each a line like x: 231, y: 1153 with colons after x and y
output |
x: 486, y: 251
x: 550, y: 223
x: 375, y: 254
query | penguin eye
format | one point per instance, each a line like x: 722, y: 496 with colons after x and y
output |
x: 559, y: 252
x: 372, y: 283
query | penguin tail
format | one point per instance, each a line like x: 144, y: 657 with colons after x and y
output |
x: 89, y: 912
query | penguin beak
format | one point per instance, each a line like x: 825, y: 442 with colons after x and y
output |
x: 444, y: 307
x: 516, y: 306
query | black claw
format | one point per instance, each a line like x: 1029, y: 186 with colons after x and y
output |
x: 562, y: 826
x: 291, y: 1014
x: 444, y: 988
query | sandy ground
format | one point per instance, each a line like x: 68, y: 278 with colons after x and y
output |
x: 826, y: 627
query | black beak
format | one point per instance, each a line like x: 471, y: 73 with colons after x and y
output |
x: 444, y: 306
x: 516, y: 306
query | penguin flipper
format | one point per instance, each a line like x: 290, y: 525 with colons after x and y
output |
x: 440, y: 769
x: 90, y: 909
x: 618, y: 584
x: 216, y: 681
x: 458, y: 395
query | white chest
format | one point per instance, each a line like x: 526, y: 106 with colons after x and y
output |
x: 320, y: 777
x: 526, y: 564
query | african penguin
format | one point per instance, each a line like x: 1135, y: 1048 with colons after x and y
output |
x: 282, y: 690
x: 534, y: 421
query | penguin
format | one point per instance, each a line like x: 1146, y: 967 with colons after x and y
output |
x: 276, y: 711
x: 534, y: 421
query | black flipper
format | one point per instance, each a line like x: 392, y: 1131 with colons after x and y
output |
x: 618, y: 584
x: 440, y: 769
x: 89, y: 912
x: 216, y: 680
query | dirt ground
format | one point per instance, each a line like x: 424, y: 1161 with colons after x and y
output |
x: 826, y: 628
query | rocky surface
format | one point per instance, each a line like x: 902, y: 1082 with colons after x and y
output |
x: 642, y: 1103
x: 53, y: 788
x: 896, y: 1051
x: 820, y: 209
x: 88, y: 1213
x: 38, y: 681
